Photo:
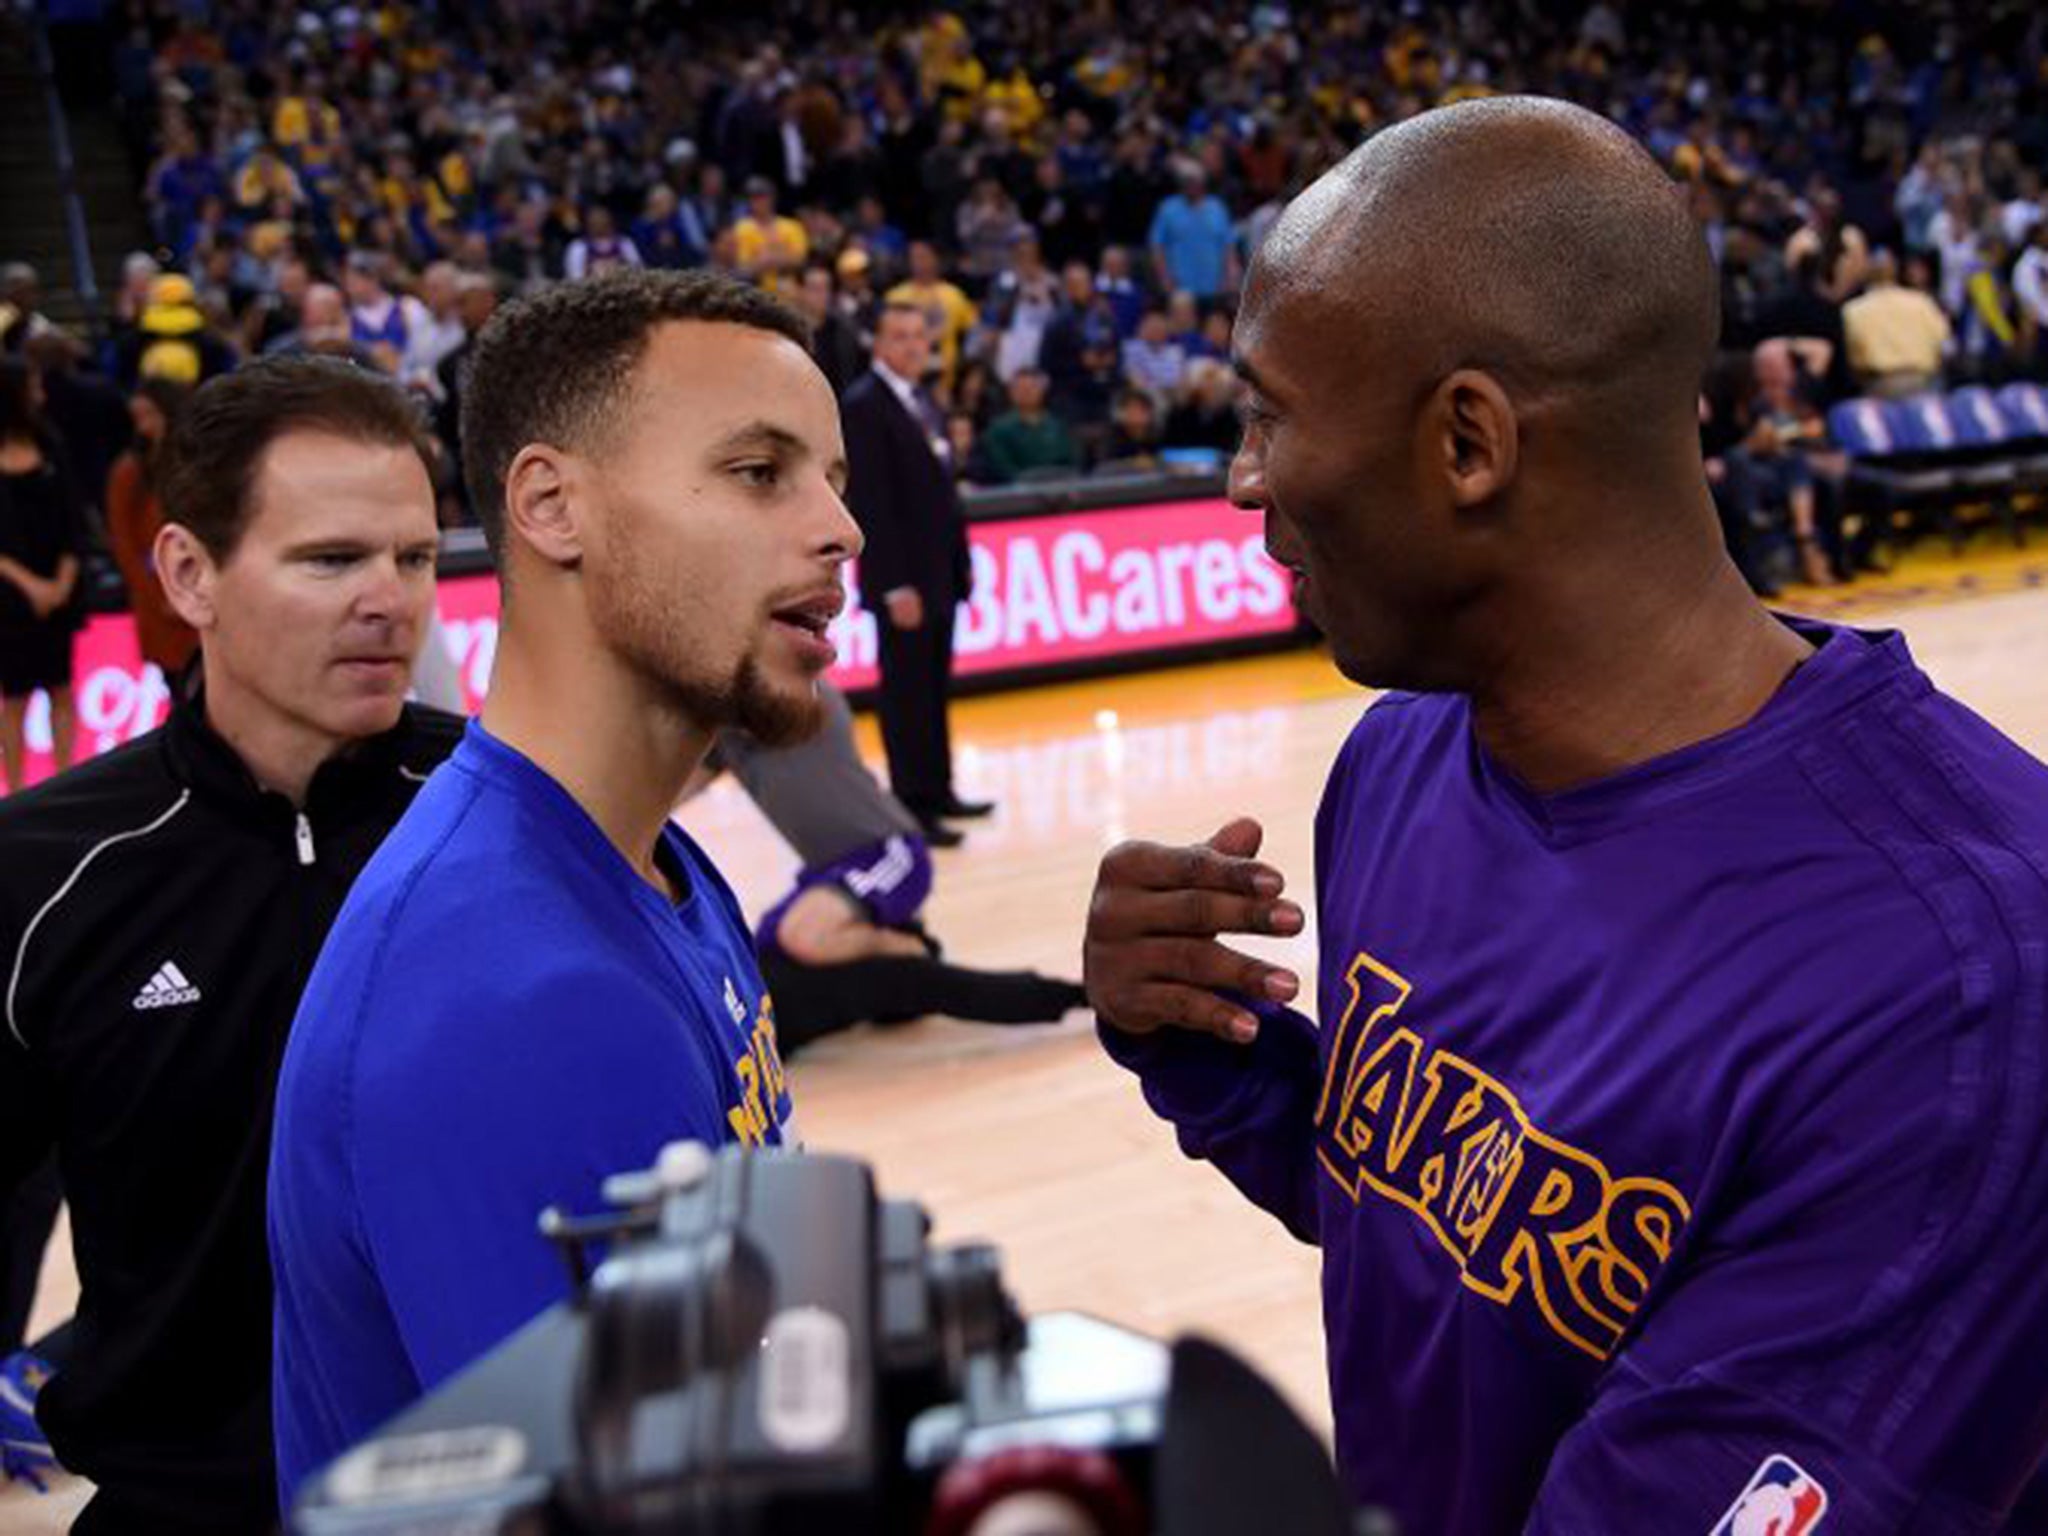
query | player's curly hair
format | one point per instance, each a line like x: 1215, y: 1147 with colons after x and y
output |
x: 553, y: 367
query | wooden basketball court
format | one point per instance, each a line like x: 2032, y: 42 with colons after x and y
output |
x: 1028, y: 1137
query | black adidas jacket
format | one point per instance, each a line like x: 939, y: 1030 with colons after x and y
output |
x: 159, y: 915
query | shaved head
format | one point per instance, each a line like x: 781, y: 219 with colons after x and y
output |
x: 1473, y: 354
x: 1525, y: 237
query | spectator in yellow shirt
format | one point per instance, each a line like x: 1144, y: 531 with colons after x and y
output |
x: 770, y: 247
x: 402, y: 188
x: 1016, y: 95
x: 948, y: 71
x: 264, y: 179
x: 949, y: 313
x: 1896, y: 335
x: 306, y: 127
x: 455, y: 176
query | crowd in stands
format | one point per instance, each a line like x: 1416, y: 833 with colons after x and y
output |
x: 1070, y: 190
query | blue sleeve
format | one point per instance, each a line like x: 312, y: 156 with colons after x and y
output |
x: 491, y: 1104
x: 1249, y: 1110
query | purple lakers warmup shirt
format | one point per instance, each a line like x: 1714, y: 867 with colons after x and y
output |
x: 1677, y: 1146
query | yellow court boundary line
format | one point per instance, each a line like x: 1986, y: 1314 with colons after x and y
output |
x: 1922, y: 588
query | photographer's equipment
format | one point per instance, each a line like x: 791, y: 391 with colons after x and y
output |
x: 767, y: 1349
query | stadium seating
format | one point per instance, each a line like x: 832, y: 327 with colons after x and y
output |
x: 1937, y: 456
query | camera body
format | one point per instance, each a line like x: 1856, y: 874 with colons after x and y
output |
x: 767, y: 1349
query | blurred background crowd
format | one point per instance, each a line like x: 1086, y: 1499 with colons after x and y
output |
x: 1071, y: 190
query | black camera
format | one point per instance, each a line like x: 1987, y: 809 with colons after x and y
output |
x: 768, y: 1349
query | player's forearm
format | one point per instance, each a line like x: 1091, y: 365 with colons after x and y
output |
x: 1247, y: 1109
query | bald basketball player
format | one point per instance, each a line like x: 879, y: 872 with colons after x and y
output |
x: 1676, y: 1136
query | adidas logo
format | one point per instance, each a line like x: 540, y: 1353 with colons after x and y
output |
x: 168, y: 988
x: 733, y: 1005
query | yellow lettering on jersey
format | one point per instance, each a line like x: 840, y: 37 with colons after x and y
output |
x: 1522, y: 1213
x: 762, y: 1082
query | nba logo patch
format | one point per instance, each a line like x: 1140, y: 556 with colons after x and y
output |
x: 1781, y: 1500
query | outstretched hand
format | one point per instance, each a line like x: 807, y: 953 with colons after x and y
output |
x: 1151, y: 959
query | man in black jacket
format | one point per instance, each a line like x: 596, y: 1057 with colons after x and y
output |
x: 161, y: 906
x: 915, y: 567
x: 835, y: 339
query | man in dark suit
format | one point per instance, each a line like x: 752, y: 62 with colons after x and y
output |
x: 835, y: 339
x: 915, y: 568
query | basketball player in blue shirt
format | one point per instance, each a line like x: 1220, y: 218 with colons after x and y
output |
x: 539, y: 980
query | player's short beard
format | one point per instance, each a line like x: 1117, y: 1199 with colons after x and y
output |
x: 771, y: 718
x: 640, y: 623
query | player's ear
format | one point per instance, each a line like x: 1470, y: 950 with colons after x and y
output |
x: 1477, y: 437
x: 188, y: 573
x: 541, y: 504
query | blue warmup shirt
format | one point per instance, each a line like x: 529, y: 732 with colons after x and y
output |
x: 503, y: 1014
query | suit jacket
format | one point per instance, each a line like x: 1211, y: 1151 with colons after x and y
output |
x: 837, y: 350
x: 904, y: 498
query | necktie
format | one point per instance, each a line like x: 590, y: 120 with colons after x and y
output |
x: 934, y: 425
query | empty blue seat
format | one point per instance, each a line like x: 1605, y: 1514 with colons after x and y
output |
x: 1882, y: 447
x: 1861, y: 429
x: 1923, y: 424
x: 1977, y: 419
x: 2026, y: 409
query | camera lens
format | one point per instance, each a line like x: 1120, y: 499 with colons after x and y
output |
x: 973, y: 1314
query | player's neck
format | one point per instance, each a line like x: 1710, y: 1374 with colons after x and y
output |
x: 281, y: 753
x: 591, y: 727
x: 1595, y: 683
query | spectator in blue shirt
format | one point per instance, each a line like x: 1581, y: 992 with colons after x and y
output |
x: 659, y: 233
x: 1193, y: 242
x: 182, y: 181
x: 1153, y: 360
x: 1081, y: 161
x: 1121, y: 289
x: 883, y: 241
x: 1189, y: 328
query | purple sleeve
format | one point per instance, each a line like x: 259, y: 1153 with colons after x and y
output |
x: 1704, y: 1456
x: 1858, y: 1318
x: 1780, y: 1376
x: 1250, y: 1110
